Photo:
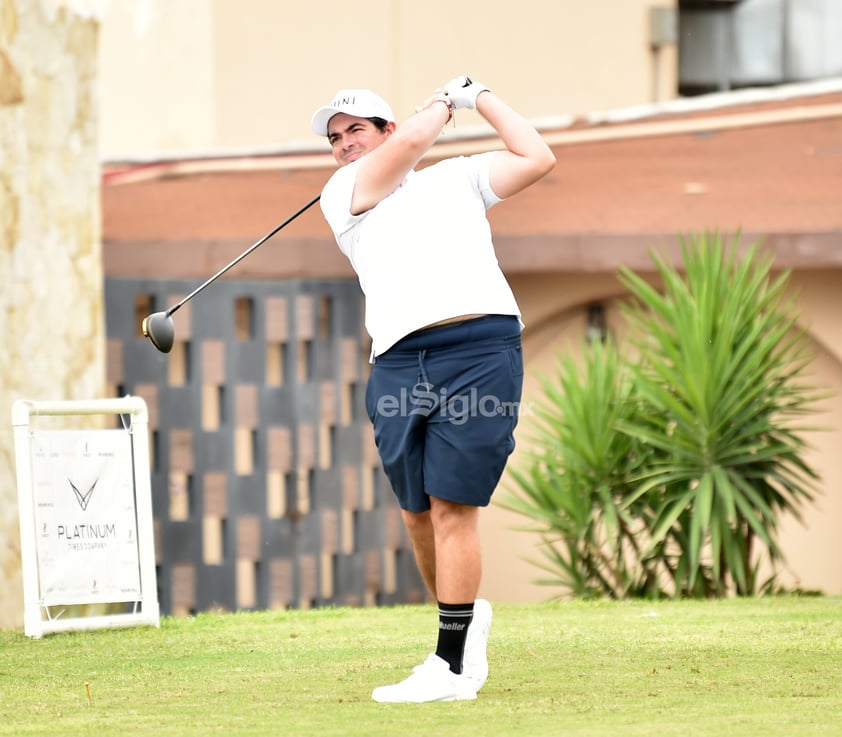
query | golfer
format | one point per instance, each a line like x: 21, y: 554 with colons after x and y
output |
x: 447, y: 368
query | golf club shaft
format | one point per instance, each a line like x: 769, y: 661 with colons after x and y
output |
x: 239, y: 258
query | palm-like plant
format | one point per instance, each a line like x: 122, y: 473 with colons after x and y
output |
x: 578, y: 478
x: 718, y: 377
x: 667, y: 475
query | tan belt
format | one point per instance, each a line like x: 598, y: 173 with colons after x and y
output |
x: 450, y: 321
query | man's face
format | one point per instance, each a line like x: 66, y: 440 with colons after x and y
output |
x: 351, y: 137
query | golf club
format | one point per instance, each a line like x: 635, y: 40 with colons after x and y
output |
x: 159, y: 327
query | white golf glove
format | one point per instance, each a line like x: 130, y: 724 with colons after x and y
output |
x: 463, y: 92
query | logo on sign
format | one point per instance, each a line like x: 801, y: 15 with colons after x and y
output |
x: 82, y: 497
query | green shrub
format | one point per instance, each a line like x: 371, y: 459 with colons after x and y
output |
x: 664, y: 470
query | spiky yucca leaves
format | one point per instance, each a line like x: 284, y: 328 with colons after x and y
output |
x: 667, y: 475
x: 721, y: 358
x: 575, y: 482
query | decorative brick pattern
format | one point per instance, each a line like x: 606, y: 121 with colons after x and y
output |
x: 267, y: 487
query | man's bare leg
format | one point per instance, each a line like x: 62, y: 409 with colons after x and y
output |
x: 445, y: 542
x: 458, y: 561
x: 419, y: 526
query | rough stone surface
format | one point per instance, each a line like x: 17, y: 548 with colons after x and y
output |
x: 51, y: 293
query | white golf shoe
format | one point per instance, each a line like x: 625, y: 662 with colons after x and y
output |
x: 475, y: 659
x: 431, y: 681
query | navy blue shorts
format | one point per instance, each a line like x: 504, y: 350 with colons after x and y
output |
x: 444, y: 403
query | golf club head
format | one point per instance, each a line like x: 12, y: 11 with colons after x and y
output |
x: 159, y: 328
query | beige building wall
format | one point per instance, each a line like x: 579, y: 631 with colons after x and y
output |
x: 51, y: 283
x: 188, y: 76
x: 156, y: 77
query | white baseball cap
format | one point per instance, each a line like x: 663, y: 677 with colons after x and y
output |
x: 359, y: 103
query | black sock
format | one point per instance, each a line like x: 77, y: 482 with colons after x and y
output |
x: 453, y: 629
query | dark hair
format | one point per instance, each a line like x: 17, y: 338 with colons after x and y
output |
x: 379, y: 123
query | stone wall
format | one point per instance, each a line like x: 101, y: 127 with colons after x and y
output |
x: 51, y: 284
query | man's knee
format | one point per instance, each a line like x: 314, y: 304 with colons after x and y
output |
x: 417, y: 523
x: 445, y: 515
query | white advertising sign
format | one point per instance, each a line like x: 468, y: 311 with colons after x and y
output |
x: 85, y: 517
x: 85, y: 514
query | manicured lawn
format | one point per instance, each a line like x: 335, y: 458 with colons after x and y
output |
x: 752, y: 667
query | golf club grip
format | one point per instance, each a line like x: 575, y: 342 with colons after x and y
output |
x: 245, y: 253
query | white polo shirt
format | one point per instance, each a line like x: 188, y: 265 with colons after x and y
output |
x: 424, y: 253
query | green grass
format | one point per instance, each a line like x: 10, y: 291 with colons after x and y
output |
x: 754, y: 667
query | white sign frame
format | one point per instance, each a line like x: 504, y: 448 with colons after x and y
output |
x: 40, y: 604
